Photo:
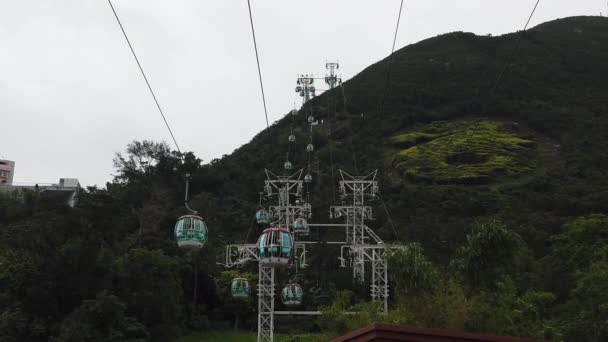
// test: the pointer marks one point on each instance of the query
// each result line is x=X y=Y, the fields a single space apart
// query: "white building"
x=66 y=190
x=7 y=169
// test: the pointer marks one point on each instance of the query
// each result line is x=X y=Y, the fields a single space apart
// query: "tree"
x=99 y=320
x=501 y=310
x=585 y=319
x=238 y=307
x=425 y=296
x=411 y=272
x=149 y=283
x=142 y=157
x=342 y=316
x=489 y=252
x=580 y=243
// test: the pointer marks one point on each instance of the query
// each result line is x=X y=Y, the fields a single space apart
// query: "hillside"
x=502 y=193
x=552 y=95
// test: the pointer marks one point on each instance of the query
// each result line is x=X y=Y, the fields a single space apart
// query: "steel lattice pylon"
x=359 y=250
x=305 y=87
x=361 y=247
x=286 y=189
x=332 y=79
x=379 y=287
x=266 y=291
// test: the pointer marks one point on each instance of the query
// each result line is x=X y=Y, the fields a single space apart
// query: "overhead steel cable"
x=388 y=215
x=144 y=75
x=515 y=49
x=503 y=70
x=383 y=101
x=390 y=61
x=257 y=59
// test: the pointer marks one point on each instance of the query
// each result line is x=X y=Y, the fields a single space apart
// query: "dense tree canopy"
x=499 y=220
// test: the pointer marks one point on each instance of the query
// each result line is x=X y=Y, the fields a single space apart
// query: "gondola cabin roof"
x=275 y=229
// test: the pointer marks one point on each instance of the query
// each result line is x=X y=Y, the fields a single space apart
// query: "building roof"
x=390 y=333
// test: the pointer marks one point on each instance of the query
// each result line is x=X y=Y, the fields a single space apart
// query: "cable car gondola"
x=300 y=226
x=190 y=232
x=262 y=217
x=292 y=295
x=240 y=288
x=275 y=247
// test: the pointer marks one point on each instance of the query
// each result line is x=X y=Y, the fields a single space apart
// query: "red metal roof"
x=391 y=333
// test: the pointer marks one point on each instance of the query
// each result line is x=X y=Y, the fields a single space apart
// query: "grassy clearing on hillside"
x=473 y=151
x=247 y=337
x=410 y=139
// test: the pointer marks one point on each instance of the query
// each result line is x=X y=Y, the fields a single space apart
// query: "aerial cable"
x=260 y=206
x=144 y=75
x=292 y=137
x=343 y=96
x=388 y=215
x=508 y=61
x=257 y=58
x=515 y=49
x=383 y=101
x=390 y=61
x=249 y=230
x=331 y=152
x=192 y=211
x=387 y=79
x=309 y=151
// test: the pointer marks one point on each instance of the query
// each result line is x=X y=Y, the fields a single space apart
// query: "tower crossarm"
x=365 y=212
x=237 y=255
x=266 y=292
x=373 y=235
x=296 y=210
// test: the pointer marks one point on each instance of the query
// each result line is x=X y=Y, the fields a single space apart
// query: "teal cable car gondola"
x=292 y=295
x=190 y=232
x=300 y=226
x=275 y=247
x=263 y=217
x=240 y=288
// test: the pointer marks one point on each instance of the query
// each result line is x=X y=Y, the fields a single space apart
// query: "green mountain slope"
x=553 y=99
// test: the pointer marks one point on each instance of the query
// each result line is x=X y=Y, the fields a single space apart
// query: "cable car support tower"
x=363 y=245
x=331 y=79
x=305 y=87
x=288 y=213
x=287 y=191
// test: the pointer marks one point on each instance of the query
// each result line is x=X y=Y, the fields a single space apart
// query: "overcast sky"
x=71 y=95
